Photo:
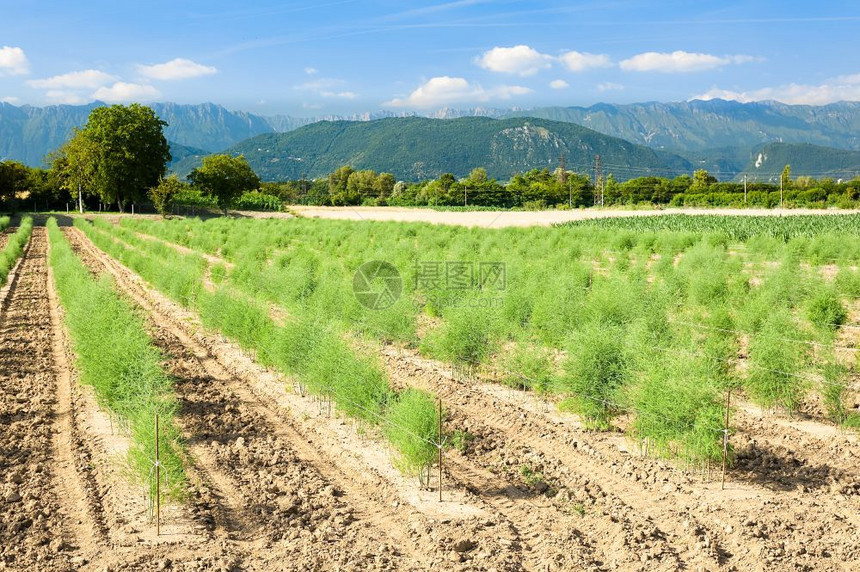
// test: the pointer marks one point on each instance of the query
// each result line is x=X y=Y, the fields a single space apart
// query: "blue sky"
x=346 y=56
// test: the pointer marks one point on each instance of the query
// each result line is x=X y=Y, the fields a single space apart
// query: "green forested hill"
x=416 y=148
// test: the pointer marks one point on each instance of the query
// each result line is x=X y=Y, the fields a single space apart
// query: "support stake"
x=157 y=483
x=726 y=439
x=440 y=449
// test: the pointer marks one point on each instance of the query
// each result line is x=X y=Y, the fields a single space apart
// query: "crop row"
x=116 y=357
x=14 y=247
x=307 y=348
x=809 y=228
x=657 y=324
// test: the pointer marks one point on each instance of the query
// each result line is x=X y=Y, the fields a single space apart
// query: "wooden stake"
x=726 y=440
x=157 y=483
x=440 y=449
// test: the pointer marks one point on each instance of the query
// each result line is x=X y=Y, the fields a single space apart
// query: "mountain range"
x=724 y=137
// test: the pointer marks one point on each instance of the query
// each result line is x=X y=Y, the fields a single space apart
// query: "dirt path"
x=41 y=527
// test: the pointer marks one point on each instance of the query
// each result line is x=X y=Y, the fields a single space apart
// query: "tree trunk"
x=80 y=200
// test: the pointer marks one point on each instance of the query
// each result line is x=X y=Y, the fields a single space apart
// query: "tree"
x=122 y=150
x=164 y=194
x=702 y=180
x=13 y=179
x=224 y=178
x=785 y=178
x=74 y=165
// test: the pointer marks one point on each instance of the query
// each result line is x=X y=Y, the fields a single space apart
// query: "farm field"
x=506 y=218
x=582 y=372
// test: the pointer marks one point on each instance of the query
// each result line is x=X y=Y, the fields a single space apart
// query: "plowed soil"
x=276 y=482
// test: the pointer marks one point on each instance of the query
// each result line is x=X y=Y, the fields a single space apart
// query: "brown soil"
x=40 y=528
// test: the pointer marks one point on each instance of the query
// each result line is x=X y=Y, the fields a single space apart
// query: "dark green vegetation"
x=643 y=329
x=308 y=346
x=224 y=178
x=116 y=357
x=416 y=148
x=545 y=188
x=14 y=246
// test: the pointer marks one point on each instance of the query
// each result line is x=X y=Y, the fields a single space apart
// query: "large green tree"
x=224 y=178
x=13 y=179
x=121 y=152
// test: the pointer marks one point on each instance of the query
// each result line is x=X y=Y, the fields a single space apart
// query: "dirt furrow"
x=40 y=527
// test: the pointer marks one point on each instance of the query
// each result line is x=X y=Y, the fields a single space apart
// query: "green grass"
x=116 y=357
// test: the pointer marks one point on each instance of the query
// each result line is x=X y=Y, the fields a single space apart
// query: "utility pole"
x=465 y=196
x=569 y=193
x=745 y=189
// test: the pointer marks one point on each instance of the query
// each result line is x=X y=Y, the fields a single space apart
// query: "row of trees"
x=541 y=188
x=120 y=157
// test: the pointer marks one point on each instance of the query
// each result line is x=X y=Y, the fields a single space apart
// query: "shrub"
x=411 y=425
x=825 y=310
x=774 y=357
x=596 y=369
x=678 y=411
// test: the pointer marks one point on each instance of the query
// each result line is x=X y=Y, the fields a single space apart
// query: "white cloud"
x=11 y=99
x=584 y=61
x=179 y=68
x=61 y=96
x=444 y=90
x=122 y=92
x=520 y=60
x=680 y=62
x=311 y=71
x=559 y=84
x=323 y=83
x=609 y=86
x=342 y=94
x=88 y=79
x=13 y=61
x=842 y=88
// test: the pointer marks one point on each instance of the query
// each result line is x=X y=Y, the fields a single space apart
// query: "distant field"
x=498 y=219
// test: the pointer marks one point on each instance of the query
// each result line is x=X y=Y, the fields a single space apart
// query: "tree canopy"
x=119 y=154
x=224 y=178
